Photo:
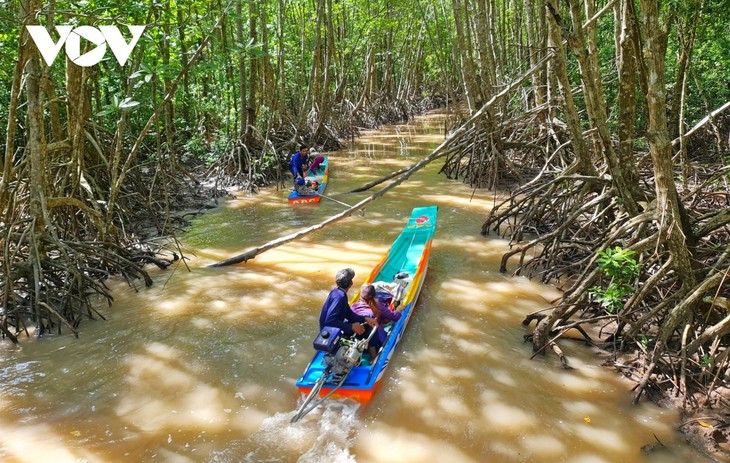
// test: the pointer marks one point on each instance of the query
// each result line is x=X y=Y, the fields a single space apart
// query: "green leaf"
x=107 y=110
x=128 y=103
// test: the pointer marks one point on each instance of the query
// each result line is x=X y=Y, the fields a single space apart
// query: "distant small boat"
x=328 y=374
x=320 y=176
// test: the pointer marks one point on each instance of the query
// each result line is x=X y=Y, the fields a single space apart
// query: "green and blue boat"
x=409 y=256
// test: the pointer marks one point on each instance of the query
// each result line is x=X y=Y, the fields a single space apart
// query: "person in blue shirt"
x=298 y=161
x=336 y=310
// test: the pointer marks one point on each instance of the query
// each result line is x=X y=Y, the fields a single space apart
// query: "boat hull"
x=321 y=177
x=410 y=253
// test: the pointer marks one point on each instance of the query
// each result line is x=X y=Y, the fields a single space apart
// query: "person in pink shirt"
x=376 y=306
x=318 y=160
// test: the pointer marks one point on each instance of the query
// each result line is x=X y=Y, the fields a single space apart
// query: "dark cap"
x=367 y=291
x=344 y=278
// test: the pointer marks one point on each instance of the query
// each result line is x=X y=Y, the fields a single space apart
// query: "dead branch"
x=701 y=123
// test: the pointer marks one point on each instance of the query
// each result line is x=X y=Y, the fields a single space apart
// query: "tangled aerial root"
x=558 y=220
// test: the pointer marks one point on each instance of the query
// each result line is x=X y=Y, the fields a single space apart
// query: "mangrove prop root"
x=563 y=230
x=557 y=221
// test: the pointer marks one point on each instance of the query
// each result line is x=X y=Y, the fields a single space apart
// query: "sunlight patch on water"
x=173 y=306
x=522 y=287
x=459 y=327
x=456 y=200
x=32 y=443
x=646 y=414
x=386 y=444
x=455 y=407
x=503 y=377
x=491 y=297
x=412 y=395
x=604 y=436
x=165 y=390
x=506 y=452
x=219 y=296
x=507 y=417
x=576 y=381
x=467 y=294
x=544 y=444
x=471 y=348
x=202 y=323
x=589 y=458
x=583 y=407
x=450 y=373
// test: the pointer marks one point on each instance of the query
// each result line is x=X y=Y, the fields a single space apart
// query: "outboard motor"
x=346 y=357
x=341 y=354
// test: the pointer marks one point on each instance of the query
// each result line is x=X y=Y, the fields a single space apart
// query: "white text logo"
x=72 y=38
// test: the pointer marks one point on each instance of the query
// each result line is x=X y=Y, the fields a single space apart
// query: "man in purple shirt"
x=336 y=310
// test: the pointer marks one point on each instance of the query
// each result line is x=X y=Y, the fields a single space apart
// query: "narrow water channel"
x=201 y=367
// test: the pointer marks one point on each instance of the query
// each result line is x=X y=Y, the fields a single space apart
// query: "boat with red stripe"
x=320 y=176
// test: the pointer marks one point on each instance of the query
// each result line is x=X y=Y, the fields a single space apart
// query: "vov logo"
x=101 y=37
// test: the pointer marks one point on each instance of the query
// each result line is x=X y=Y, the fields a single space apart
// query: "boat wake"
x=326 y=434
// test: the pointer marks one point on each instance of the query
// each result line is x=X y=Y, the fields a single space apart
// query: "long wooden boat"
x=320 y=176
x=409 y=253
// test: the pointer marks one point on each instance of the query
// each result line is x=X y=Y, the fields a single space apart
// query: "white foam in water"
x=324 y=434
x=334 y=440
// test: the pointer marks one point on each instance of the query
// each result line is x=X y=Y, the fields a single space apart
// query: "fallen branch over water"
x=246 y=256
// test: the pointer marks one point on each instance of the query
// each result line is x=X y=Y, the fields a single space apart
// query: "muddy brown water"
x=201 y=367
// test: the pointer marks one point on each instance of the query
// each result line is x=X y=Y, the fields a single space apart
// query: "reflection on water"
x=201 y=367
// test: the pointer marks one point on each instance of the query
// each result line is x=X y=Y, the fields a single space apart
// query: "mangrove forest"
x=602 y=126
